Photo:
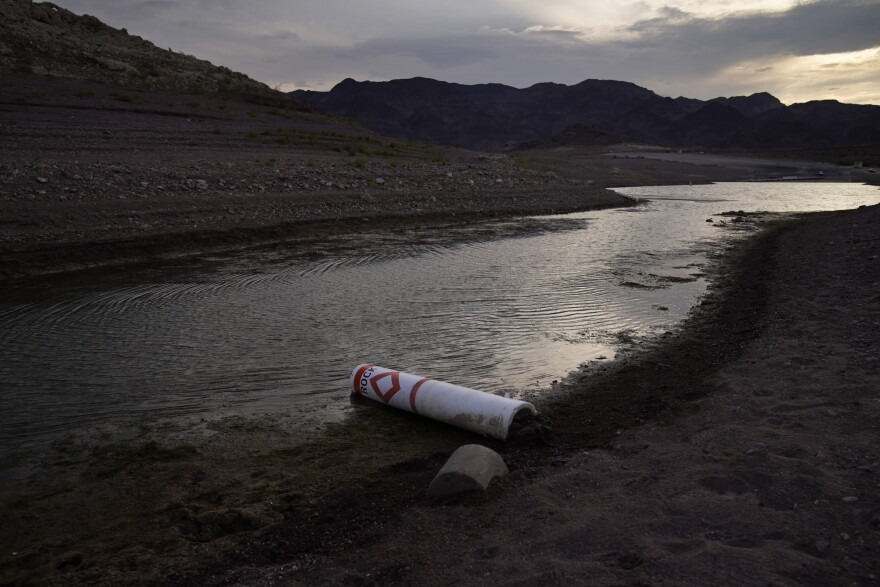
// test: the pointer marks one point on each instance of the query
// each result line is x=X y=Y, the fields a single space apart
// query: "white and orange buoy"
x=470 y=409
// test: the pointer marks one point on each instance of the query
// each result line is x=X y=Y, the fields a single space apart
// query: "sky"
x=796 y=50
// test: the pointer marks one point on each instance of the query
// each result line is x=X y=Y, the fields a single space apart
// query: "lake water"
x=498 y=306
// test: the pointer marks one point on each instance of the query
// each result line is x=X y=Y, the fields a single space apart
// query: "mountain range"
x=496 y=117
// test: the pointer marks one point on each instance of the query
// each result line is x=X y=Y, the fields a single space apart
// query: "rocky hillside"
x=46 y=39
x=496 y=117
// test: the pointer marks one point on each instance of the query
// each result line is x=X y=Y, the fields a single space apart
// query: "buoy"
x=470 y=409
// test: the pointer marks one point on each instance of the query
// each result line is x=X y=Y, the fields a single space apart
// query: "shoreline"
x=89 y=179
x=729 y=446
x=33 y=259
x=201 y=515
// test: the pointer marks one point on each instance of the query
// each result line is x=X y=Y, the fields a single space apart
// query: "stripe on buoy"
x=357 y=378
x=412 y=395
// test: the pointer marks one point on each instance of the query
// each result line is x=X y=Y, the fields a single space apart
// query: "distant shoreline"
x=90 y=180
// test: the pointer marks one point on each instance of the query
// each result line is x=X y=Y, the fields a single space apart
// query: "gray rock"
x=380 y=181
x=42 y=180
x=757 y=448
x=470 y=468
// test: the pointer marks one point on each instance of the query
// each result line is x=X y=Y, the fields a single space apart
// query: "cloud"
x=829 y=26
x=679 y=47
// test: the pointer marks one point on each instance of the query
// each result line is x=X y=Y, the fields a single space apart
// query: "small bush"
x=124 y=98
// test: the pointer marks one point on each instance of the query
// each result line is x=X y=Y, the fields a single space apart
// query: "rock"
x=757 y=448
x=380 y=181
x=42 y=180
x=201 y=184
x=470 y=468
x=850 y=499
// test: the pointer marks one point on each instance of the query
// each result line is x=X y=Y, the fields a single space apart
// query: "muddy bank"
x=93 y=174
x=746 y=443
x=743 y=451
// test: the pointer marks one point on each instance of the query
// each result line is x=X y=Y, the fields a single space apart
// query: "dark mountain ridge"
x=496 y=117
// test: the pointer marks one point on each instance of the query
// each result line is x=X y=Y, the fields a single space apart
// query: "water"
x=495 y=306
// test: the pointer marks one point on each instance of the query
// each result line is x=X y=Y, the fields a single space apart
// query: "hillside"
x=46 y=39
x=496 y=117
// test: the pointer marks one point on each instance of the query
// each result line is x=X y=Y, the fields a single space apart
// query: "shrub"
x=124 y=98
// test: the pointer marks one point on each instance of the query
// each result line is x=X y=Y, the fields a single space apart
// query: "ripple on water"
x=495 y=306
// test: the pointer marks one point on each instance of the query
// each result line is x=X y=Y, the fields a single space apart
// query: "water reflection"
x=494 y=305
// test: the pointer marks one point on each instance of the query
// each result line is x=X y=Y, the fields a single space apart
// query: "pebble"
x=850 y=499
x=757 y=448
x=380 y=181
x=42 y=180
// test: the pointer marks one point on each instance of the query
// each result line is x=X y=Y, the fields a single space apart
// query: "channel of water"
x=499 y=306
